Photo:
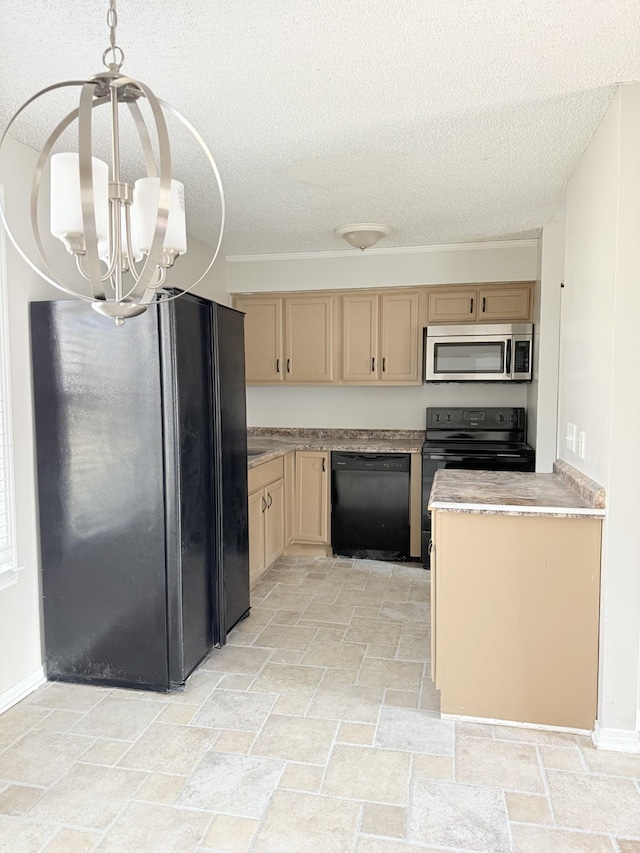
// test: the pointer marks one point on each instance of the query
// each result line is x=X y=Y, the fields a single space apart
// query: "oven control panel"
x=484 y=419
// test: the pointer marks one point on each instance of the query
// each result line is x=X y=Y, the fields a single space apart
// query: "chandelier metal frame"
x=110 y=295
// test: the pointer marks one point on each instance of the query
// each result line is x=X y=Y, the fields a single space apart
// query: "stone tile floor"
x=315 y=729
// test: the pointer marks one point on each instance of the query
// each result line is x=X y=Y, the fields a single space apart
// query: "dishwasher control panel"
x=371 y=461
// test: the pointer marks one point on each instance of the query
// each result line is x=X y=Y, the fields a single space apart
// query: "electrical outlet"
x=570 y=437
x=582 y=444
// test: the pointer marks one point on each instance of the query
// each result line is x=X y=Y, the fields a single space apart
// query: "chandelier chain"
x=114 y=49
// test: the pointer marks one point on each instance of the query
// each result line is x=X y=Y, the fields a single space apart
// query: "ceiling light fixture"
x=101 y=218
x=364 y=235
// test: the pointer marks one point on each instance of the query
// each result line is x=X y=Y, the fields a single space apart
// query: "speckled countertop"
x=515 y=493
x=265 y=444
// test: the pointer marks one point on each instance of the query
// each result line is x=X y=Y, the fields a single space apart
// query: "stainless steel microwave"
x=500 y=353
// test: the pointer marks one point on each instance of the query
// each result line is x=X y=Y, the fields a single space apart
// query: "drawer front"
x=266 y=473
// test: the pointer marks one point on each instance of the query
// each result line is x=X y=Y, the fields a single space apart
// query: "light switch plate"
x=571 y=437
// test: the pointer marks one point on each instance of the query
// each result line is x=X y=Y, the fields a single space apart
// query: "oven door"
x=467 y=358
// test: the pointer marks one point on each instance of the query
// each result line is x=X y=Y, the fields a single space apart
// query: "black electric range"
x=472 y=439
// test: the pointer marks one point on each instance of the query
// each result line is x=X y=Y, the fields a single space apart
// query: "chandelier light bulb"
x=144 y=209
x=66 y=206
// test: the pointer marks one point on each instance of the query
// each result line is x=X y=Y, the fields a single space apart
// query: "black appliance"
x=472 y=439
x=142 y=478
x=370 y=505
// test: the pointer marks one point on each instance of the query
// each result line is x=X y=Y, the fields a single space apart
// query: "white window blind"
x=8 y=558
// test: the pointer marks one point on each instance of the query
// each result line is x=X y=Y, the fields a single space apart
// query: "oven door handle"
x=431 y=456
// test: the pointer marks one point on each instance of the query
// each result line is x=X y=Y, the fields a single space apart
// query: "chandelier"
x=124 y=235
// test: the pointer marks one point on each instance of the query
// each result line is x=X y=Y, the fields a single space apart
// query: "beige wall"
x=542 y=393
x=505 y=261
x=600 y=366
x=359 y=407
x=20 y=635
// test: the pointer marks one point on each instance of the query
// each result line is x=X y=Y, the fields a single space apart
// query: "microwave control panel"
x=522 y=356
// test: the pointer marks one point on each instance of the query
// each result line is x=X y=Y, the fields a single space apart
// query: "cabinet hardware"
x=384 y=364
x=373 y=365
x=264 y=504
x=288 y=365
x=484 y=304
x=323 y=468
x=277 y=365
x=471 y=306
x=270 y=500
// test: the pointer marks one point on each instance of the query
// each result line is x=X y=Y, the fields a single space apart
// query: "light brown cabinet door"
x=309 y=332
x=360 y=338
x=400 y=338
x=504 y=303
x=274 y=522
x=257 y=564
x=262 y=339
x=451 y=306
x=289 y=491
x=312 y=497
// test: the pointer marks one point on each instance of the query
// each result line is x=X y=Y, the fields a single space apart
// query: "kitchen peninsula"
x=515 y=595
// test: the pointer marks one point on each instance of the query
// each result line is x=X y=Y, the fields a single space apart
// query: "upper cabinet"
x=380 y=337
x=500 y=304
x=360 y=337
x=400 y=337
x=308 y=328
x=451 y=305
x=484 y=303
x=288 y=339
x=262 y=339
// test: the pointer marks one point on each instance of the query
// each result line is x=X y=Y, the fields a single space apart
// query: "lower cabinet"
x=311 y=501
x=515 y=616
x=274 y=522
x=266 y=516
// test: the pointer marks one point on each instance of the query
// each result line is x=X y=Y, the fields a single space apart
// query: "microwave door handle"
x=507 y=367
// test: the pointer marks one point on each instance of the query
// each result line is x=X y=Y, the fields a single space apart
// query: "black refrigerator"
x=142 y=480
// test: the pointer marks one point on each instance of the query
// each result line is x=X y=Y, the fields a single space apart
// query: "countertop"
x=563 y=493
x=267 y=444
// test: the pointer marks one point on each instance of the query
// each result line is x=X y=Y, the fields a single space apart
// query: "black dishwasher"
x=370 y=505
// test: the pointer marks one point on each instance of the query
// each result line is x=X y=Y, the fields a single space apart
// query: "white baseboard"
x=617 y=740
x=515 y=724
x=21 y=689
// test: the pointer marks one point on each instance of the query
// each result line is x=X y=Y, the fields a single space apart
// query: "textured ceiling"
x=450 y=120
